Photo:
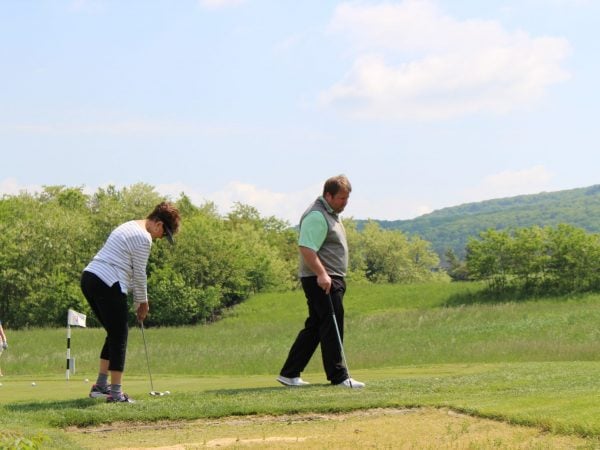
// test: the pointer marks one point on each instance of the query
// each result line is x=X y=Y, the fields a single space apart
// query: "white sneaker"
x=351 y=383
x=296 y=381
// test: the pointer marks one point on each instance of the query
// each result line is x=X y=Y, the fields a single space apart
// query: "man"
x=323 y=265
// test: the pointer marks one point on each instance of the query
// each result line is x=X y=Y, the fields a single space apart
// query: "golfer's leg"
x=117 y=328
x=96 y=293
x=307 y=340
x=302 y=350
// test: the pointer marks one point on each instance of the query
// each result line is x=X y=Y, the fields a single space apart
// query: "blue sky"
x=423 y=104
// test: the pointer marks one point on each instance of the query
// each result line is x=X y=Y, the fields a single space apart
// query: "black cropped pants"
x=109 y=305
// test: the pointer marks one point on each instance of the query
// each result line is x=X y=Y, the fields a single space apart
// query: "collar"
x=327 y=207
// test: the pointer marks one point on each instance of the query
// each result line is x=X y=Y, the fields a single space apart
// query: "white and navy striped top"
x=123 y=258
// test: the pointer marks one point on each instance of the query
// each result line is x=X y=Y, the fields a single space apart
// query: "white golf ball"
x=33 y=383
x=86 y=380
x=167 y=392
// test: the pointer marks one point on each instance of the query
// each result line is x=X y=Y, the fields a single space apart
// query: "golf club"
x=152 y=391
x=339 y=336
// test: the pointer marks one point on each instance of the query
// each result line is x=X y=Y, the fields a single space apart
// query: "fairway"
x=443 y=370
x=387 y=427
x=434 y=406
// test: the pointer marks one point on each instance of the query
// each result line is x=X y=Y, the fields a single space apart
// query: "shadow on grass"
x=55 y=405
x=263 y=390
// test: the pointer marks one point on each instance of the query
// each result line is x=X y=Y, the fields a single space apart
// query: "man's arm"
x=312 y=260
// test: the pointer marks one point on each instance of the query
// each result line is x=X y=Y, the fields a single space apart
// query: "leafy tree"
x=423 y=259
x=356 y=263
x=537 y=260
x=574 y=258
x=392 y=258
x=489 y=258
x=457 y=269
x=47 y=239
x=174 y=302
x=453 y=227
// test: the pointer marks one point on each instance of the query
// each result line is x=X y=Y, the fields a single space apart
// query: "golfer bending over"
x=323 y=265
x=118 y=268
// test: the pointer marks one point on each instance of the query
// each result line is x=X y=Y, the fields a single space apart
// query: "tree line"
x=451 y=228
x=47 y=238
x=534 y=260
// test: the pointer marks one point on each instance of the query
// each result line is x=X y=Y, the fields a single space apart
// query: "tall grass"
x=386 y=326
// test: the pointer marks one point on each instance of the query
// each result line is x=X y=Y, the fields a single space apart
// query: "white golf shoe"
x=296 y=381
x=351 y=383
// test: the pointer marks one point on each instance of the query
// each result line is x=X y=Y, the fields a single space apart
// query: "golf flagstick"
x=339 y=336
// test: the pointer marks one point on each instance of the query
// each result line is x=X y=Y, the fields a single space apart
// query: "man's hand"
x=312 y=260
x=324 y=282
x=142 y=311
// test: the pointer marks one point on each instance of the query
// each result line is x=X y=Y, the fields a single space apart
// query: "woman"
x=118 y=268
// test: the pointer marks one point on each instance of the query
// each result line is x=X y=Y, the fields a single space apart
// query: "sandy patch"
x=420 y=428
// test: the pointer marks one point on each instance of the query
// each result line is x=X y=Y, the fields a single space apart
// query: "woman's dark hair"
x=168 y=214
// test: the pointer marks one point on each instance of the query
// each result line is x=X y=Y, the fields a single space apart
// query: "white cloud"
x=401 y=206
x=283 y=205
x=511 y=183
x=219 y=4
x=287 y=206
x=11 y=186
x=413 y=62
x=424 y=209
x=519 y=180
x=290 y=205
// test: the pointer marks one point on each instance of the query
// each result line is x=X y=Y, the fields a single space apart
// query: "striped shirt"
x=123 y=258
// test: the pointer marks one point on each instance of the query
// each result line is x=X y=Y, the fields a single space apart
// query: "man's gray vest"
x=334 y=251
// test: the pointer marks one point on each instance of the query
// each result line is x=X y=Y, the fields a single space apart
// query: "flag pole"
x=68 y=350
x=76 y=319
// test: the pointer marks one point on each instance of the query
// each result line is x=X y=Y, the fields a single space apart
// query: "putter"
x=339 y=336
x=152 y=391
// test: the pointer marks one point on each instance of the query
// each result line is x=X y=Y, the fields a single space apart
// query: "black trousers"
x=319 y=329
x=109 y=305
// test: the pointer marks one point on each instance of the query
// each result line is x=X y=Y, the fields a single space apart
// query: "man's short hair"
x=335 y=184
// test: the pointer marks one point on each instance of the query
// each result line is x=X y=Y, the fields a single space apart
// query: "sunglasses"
x=168 y=233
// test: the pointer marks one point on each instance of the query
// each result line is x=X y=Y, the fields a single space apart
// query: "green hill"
x=451 y=227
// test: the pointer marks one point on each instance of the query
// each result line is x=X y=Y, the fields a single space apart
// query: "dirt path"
x=376 y=428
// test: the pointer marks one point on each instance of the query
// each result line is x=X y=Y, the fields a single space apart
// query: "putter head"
x=156 y=393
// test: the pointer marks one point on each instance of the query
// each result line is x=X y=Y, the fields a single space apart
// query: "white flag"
x=76 y=319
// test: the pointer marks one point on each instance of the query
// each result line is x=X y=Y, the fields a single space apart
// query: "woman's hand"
x=142 y=311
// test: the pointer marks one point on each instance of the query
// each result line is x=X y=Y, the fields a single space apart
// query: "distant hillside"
x=451 y=227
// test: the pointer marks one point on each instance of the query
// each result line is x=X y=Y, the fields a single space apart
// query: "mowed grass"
x=386 y=326
x=442 y=345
